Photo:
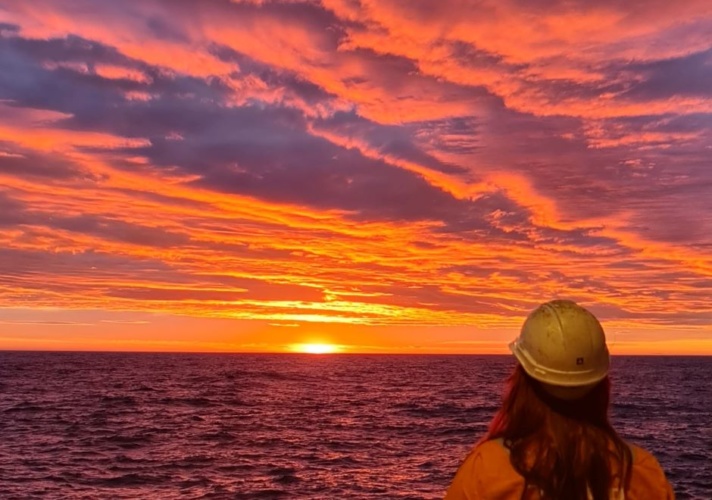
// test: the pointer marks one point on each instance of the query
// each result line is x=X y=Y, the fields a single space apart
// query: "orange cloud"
x=384 y=178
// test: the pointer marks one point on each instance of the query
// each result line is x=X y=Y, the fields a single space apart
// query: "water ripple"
x=86 y=425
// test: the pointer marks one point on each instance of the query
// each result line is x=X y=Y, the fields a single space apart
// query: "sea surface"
x=165 y=426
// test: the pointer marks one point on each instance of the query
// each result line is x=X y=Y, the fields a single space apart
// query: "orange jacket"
x=487 y=474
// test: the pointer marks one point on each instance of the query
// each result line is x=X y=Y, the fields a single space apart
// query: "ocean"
x=239 y=426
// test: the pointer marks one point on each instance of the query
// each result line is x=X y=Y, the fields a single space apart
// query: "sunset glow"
x=402 y=176
x=315 y=348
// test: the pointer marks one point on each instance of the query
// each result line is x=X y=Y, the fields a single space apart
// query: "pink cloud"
x=450 y=164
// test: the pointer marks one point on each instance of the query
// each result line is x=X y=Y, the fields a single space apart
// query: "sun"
x=315 y=348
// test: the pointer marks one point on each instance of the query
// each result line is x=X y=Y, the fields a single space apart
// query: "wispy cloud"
x=357 y=162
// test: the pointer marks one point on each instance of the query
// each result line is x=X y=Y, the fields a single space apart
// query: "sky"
x=379 y=175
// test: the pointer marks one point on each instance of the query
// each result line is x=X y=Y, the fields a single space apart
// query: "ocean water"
x=165 y=426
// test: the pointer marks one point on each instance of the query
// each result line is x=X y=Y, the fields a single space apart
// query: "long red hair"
x=563 y=449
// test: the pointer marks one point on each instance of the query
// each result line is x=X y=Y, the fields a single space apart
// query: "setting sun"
x=315 y=348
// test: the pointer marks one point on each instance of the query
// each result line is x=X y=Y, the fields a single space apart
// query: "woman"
x=552 y=439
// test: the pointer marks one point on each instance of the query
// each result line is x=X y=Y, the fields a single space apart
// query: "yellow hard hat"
x=563 y=345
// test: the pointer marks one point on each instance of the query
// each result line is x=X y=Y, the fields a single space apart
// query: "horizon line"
x=318 y=355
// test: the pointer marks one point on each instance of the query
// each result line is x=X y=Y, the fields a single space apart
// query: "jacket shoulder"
x=486 y=473
x=642 y=457
x=492 y=447
x=648 y=477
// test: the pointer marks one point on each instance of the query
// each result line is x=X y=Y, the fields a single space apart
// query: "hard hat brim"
x=556 y=377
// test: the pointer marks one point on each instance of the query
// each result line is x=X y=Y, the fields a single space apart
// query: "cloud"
x=10 y=210
x=27 y=163
x=686 y=76
x=225 y=145
x=356 y=161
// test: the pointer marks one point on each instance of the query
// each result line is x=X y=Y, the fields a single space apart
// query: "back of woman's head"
x=558 y=434
x=563 y=449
